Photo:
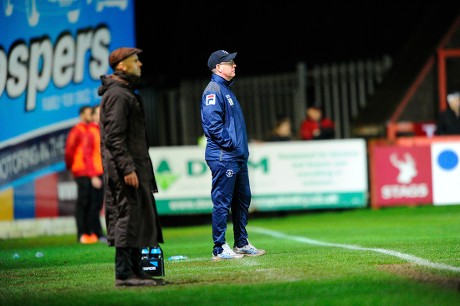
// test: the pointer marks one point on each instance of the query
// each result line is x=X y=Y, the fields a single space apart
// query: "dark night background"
x=177 y=38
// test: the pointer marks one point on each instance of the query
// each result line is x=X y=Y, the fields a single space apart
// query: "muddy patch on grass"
x=408 y=271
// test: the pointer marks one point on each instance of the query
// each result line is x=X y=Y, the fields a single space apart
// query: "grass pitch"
x=394 y=256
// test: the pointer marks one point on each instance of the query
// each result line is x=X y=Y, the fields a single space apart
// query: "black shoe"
x=135 y=281
x=160 y=281
x=143 y=275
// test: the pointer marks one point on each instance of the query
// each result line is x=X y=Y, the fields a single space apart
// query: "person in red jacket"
x=315 y=126
x=93 y=161
x=74 y=157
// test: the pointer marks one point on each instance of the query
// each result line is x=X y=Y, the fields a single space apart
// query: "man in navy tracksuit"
x=227 y=157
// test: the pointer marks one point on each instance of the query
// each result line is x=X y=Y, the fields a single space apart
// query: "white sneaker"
x=249 y=250
x=227 y=253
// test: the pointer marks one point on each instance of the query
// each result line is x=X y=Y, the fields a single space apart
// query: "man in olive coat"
x=129 y=181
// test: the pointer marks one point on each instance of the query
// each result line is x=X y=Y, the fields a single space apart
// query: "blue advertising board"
x=52 y=54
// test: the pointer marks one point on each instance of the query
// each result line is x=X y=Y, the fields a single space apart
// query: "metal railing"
x=173 y=116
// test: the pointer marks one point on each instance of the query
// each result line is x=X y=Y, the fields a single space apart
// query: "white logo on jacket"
x=229 y=173
x=229 y=99
x=211 y=99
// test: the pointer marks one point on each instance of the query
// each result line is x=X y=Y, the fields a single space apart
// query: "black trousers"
x=127 y=262
x=83 y=205
x=97 y=200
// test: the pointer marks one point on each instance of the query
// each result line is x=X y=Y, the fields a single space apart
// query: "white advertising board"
x=283 y=176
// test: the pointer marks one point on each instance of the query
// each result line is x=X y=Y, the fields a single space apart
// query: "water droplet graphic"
x=15 y=255
x=39 y=255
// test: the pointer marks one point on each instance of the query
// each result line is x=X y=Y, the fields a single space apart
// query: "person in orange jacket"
x=74 y=157
x=93 y=161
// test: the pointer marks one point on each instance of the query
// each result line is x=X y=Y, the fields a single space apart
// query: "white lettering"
x=40 y=59
x=84 y=44
x=404 y=191
x=149 y=268
x=100 y=53
x=64 y=55
x=3 y=73
x=31 y=70
x=17 y=81
x=26 y=158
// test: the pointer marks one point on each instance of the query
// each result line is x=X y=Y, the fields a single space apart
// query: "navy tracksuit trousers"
x=230 y=193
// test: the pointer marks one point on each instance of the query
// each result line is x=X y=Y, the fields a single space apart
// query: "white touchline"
x=407 y=257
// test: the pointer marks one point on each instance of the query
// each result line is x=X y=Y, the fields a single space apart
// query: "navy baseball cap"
x=218 y=57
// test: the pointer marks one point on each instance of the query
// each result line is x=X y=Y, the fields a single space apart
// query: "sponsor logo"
x=407 y=171
x=406 y=166
x=211 y=99
x=150 y=268
x=165 y=176
x=448 y=160
x=229 y=99
x=229 y=173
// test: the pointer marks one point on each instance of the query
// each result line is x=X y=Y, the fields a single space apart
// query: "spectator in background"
x=74 y=157
x=449 y=120
x=282 y=130
x=316 y=127
x=93 y=162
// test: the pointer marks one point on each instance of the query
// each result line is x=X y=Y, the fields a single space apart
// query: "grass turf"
x=293 y=272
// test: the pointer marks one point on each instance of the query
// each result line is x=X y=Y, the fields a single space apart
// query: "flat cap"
x=120 y=54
